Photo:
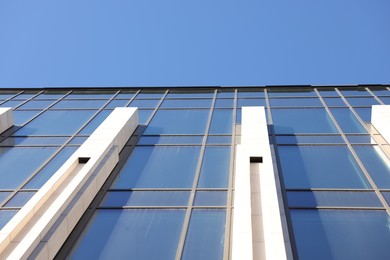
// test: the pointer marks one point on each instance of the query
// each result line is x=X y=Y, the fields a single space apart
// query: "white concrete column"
x=257 y=224
x=6 y=118
x=380 y=119
x=40 y=228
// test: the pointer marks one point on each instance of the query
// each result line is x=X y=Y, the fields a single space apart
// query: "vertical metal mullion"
x=228 y=225
x=183 y=235
x=352 y=150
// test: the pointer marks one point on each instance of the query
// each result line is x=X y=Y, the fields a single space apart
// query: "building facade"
x=295 y=172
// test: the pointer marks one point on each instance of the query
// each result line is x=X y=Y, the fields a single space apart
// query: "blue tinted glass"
x=360 y=139
x=43 y=175
x=224 y=103
x=18 y=163
x=289 y=93
x=37 y=104
x=170 y=140
x=347 y=120
x=190 y=94
x=178 y=122
x=385 y=100
x=117 y=103
x=250 y=93
x=136 y=234
x=51 y=95
x=341 y=234
x=313 y=199
x=225 y=94
x=205 y=236
x=12 y=103
x=95 y=122
x=7 y=94
x=335 y=102
x=219 y=140
x=309 y=139
x=364 y=113
x=210 y=198
x=34 y=141
x=78 y=140
x=25 y=95
x=186 y=103
x=221 y=122
x=82 y=103
x=381 y=92
x=87 y=94
x=21 y=117
x=356 y=92
x=126 y=94
x=146 y=198
x=144 y=103
x=289 y=121
x=238 y=116
x=56 y=123
x=159 y=167
x=251 y=102
x=215 y=175
x=320 y=167
x=19 y=199
x=155 y=94
x=329 y=93
x=295 y=102
x=4 y=195
x=5 y=216
x=143 y=116
x=386 y=194
x=364 y=101
x=376 y=163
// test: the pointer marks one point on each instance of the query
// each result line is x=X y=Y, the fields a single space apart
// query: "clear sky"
x=46 y=43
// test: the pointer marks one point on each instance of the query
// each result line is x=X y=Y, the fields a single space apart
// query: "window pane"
x=206 y=234
x=219 y=140
x=57 y=123
x=355 y=92
x=335 y=102
x=332 y=199
x=18 y=163
x=90 y=94
x=150 y=94
x=95 y=122
x=139 y=234
x=33 y=141
x=37 y=104
x=376 y=163
x=117 y=103
x=150 y=140
x=364 y=114
x=159 y=167
x=302 y=121
x=146 y=198
x=190 y=94
x=82 y=103
x=291 y=93
x=210 y=198
x=295 y=102
x=21 y=117
x=143 y=116
x=309 y=139
x=224 y=103
x=144 y=103
x=341 y=234
x=215 y=175
x=320 y=167
x=178 y=122
x=360 y=139
x=251 y=102
x=385 y=100
x=365 y=101
x=186 y=103
x=4 y=195
x=20 y=199
x=250 y=93
x=221 y=122
x=5 y=216
x=347 y=121
x=381 y=92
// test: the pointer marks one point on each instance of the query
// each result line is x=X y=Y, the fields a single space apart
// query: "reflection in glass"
x=210 y=198
x=212 y=174
x=295 y=102
x=19 y=199
x=5 y=216
x=186 y=103
x=150 y=140
x=347 y=120
x=221 y=122
x=82 y=103
x=309 y=139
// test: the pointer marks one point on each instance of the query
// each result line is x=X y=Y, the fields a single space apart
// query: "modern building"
x=279 y=172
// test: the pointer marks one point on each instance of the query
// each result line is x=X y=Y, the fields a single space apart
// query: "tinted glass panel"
x=219 y=140
x=222 y=103
x=295 y=102
x=87 y=94
x=86 y=103
x=347 y=121
x=171 y=140
x=117 y=103
x=144 y=115
x=186 y=103
x=251 y=102
x=190 y=94
x=366 y=101
x=221 y=122
x=20 y=199
x=95 y=122
x=215 y=175
x=250 y=93
x=159 y=167
x=37 y=104
x=289 y=93
x=341 y=234
x=364 y=114
x=205 y=237
x=385 y=100
x=21 y=117
x=302 y=121
x=178 y=122
x=332 y=199
x=33 y=141
x=360 y=139
x=5 y=216
x=4 y=195
x=351 y=92
x=139 y=234
x=320 y=167
x=146 y=198
x=144 y=103
x=335 y=102
x=210 y=198
x=309 y=139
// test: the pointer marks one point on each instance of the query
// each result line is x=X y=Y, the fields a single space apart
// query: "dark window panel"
x=354 y=92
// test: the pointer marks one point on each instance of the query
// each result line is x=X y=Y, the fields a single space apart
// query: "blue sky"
x=46 y=43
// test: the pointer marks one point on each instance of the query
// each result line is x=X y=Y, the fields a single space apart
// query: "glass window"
x=50 y=95
x=56 y=123
x=117 y=103
x=146 y=198
x=354 y=92
x=95 y=122
x=320 y=167
x=221 y=122
x=186 y=103
x=224 y=103
x=144 y=103
x=37 y=104
x=34 y=141
x=12 y=103
x=289 y=121
x=151 y=140
x=150 y=94
x=210 y=198
x=385 y=100
x=313 y=199
x=341 y=234
x=295 y=102
x=215 y=175
x=242 y=93
x=136 y=233
x=225 y=94
x=291 y=93
x=329 y=93
x=309 y=139
x=159 y=167
x=347 y=121
x=381 y=92
x=178 y=122
x=126 y=94
x=43 y=175
x=376 y=164
x=21 y=117
x=335 y=102
x=219 y=140
x=190 y=94
x=78 y=140
x=5 y=216
x=7 y=94
x=18 y=163
x=205 y=236
x=364 y=113
x=360 y=139
x=4 y=195
x=251 y=102
x=363 y=101
x=19 y=199
x=143 y=116
x=91 y=94
x=81 y=103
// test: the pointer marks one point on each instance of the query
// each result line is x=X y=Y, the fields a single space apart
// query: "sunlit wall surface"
x=171 y=194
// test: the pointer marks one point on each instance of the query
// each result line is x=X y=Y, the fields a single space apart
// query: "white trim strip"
x=380 y=118
x=6 y=118
x=50 y=215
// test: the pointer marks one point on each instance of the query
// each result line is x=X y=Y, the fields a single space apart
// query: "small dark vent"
x=256 y=159
x=83 y=160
